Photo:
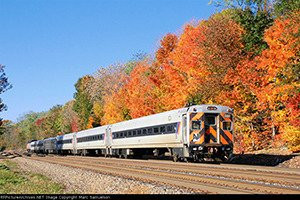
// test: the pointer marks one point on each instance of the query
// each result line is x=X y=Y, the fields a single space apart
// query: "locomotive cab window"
x=227 y=126
x=196 y=125
x=210 y=120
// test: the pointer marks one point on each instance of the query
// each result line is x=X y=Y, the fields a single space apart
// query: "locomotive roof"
x=194 y=108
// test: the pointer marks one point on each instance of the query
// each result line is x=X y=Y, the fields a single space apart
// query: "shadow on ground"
x=260 y=159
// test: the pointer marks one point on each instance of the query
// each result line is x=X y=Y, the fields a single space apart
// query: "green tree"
x=255 y=16
x=4 y=86
x=254 y=24
x=83 y=105
x=284 y=7
x=52 y=122
x=26 y=129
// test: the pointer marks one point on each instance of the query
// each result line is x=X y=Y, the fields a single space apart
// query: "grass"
x=15 y=181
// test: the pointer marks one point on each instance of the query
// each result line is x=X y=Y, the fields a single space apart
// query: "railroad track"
x=197 y=177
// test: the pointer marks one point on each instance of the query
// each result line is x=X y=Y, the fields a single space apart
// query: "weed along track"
x=195 y=177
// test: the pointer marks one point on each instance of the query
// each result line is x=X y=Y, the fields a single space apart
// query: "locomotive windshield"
x=210 y=120
x=227 y=126
x=196 y=125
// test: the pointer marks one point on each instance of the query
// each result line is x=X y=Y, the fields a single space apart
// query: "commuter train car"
x=154 y=134
x=50 y=145
x=65 y=144
x=195 y=132
x=91 y=141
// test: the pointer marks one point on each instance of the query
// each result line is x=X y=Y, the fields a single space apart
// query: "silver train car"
x=191 y=133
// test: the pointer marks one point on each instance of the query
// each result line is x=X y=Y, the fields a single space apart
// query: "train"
x=196 y=132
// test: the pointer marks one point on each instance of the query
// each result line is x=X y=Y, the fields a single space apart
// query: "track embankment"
x=196 y=177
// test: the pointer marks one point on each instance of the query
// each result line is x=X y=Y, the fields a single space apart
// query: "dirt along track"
x=202 y=178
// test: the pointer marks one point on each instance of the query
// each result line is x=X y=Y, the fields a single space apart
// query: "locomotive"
x=192 y=133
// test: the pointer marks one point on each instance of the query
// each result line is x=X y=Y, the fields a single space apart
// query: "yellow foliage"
x=292 y=136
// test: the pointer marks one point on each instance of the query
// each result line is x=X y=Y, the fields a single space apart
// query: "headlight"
x=227 y=115
x=200 y=148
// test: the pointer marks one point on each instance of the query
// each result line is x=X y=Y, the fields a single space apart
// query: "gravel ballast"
x=292 y=163
x=80 y=181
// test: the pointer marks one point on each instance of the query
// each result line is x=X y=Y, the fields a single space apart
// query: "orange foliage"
x=141 y=98
x=90 y=123
x=206 y=64
x=265 y=89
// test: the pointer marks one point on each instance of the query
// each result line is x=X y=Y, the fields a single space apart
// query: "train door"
x=211 y=122
x=184 y=130
x=108 y=141
x=74 y=143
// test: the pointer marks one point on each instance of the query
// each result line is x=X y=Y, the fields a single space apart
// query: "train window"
x=129 y=133
x=210 y=120
x=162 y=129
x=169 y=128
x=144 y=131
x=134 y=133
x=139 y=132
x=121 y=134
x=149 y=130
x=156 y=130
x=196 y=125
x=227 y=126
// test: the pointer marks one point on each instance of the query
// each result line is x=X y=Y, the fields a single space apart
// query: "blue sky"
x=46 y=45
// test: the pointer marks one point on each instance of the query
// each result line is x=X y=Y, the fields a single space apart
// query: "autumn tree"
x=70 y=120
x=264 y=86
x=50 y=124
x=112 y=80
